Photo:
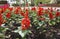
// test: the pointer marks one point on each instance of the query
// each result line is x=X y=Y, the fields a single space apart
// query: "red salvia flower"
x=4 y=9
x=26 y=14
x=57 y=14
x=16 y=11
x=22 y=13
x=10 y=8
x=40 y=11
x=33 y=8
x=51 y=16
x=8 y=15
x=1 y=19
x=25 y=23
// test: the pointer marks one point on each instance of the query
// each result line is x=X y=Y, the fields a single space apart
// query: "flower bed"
x=35 y=23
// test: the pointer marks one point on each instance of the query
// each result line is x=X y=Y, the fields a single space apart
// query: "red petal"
x=51 y=16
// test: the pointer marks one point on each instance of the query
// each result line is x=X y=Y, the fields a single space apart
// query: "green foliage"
x=43 y=1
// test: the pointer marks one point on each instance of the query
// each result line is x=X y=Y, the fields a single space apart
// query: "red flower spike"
x=51 y=16
x=39 y=13
x=11 y=9
x=26 y=14
x=57 y=14
x=1 y=16
x=33 y=8
x=25 y=23
x=8 y=15
x=4 y=9
x=16 y=11
x=1 y=19
x=22 y=13
x=40 y=9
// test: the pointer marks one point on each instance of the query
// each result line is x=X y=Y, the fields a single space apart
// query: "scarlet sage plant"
x=32 y=21
x=29 y=16
x=25 y=21
x=8 y=15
